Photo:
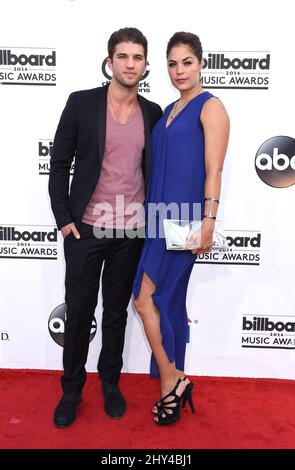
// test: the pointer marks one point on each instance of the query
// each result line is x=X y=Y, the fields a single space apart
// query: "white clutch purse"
x=178 y=233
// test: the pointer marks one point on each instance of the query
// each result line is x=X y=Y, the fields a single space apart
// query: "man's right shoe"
x=65 y=412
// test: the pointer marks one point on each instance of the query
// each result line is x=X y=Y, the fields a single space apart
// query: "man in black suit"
x=108 y=130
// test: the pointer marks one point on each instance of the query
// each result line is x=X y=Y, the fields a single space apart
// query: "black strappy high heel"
x=166 y=417
x=159 y=403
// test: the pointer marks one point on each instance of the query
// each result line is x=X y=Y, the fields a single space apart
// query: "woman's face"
x=183 y=67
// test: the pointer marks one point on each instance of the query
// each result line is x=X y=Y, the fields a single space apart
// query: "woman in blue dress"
x=188 y=149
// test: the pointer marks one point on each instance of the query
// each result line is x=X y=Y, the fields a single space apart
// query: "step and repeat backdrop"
x=240 y=301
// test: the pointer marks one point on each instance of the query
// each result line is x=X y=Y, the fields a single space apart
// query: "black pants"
x=84 y=259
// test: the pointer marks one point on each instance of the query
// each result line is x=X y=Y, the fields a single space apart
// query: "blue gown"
x=177 y=175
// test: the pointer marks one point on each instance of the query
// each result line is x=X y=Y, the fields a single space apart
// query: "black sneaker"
x=65 y=412
x=114 y=402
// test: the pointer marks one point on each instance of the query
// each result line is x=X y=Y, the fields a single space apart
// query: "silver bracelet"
x=211 y=199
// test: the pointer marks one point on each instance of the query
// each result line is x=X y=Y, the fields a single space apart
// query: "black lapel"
x=101 y=119
x=146 y=121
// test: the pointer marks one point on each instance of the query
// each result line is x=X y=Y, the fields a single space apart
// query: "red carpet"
x=231 y=413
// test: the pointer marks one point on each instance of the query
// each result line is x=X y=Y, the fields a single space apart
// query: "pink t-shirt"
x=117 y=201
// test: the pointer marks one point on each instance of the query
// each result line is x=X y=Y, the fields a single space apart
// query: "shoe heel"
x=187 y=397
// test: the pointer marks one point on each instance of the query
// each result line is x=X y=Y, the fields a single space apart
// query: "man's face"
x=128 y=63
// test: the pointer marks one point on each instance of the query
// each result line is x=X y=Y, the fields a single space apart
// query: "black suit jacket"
x=82 y=131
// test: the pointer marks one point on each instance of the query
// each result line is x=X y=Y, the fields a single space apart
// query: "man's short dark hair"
x=127 y=35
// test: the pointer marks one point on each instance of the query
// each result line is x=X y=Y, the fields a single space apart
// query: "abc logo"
x=109 y=77
x=56 y=325
x=275 y=162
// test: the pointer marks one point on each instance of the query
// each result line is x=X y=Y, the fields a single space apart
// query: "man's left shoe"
x=114 y=402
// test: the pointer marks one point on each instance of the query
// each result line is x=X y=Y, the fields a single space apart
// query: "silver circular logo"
x=275 y=161
x=56 y=325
